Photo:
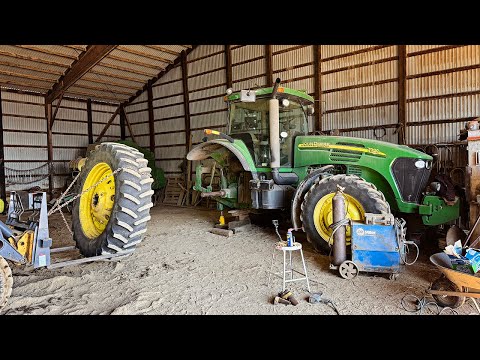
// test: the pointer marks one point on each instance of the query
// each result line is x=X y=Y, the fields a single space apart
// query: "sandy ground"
x=181 y=268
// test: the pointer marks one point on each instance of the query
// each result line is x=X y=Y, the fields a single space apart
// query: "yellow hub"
x=323 y=214
x=96 y=205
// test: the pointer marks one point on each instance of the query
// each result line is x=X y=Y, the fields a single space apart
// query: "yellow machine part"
x=25 y=244
x=323 y=214
x=2 y=206
x=97 y=204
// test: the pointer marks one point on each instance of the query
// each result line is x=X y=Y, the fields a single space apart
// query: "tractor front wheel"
x=317 y=212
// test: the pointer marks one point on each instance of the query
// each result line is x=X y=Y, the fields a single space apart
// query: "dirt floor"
x=181 y=268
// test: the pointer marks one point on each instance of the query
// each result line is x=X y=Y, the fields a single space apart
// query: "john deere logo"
x=320 y=145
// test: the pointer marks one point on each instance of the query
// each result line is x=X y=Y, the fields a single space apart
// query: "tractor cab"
x=248 y=120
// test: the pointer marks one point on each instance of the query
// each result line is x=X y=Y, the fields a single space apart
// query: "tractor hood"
x=374 y=149
x=211 y=148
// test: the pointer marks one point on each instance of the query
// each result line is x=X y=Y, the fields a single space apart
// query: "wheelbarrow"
x=453 y=286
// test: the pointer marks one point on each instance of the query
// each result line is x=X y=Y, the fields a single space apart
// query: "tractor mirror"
x=310 y=110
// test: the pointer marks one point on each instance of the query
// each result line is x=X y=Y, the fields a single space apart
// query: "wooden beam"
x=317 y=71
x=186 y=102
x=48 y=116
x=188 y=133
x=24 y=84
x=133 y=62
x=89 y=121
x=151 y=124
x=125 y=69
x=3 y=188
x=159 y=75
x=27 y=76
x=161 y=48
x=101 y=89
x=115 y=75
x=87 y=60
x=88 y=95
x=269 y=65
x=102 y=81
x=107 y=125
x=148 y=56
x=47 y=51
x=402 y=92
x=128 y=125
x=32 y=58
x=56 y=109
x=228 y=62
x=122 y=124
x=32 y=68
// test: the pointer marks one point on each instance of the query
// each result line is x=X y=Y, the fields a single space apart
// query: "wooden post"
x=89 y=121
x=402 y=93
x=269 y=64
x=151 y=123
x=3 y=188
x=317 y=61
x=228 y=63
x=128 y=123
x=186 y=107
x=48 y=116
x=122 y=124
x=107 y=125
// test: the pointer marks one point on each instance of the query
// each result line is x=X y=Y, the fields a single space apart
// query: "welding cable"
x=375 y=132
x=453 y=311
x=407 y=249
x=420 y=304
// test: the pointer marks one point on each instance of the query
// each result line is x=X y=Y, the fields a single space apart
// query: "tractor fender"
x=204 y=150
x=300 y=192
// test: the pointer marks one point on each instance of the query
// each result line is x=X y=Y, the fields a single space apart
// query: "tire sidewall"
x=89 y=247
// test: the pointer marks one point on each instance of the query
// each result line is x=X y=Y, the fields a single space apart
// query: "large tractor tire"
x=6 y=282
x=317 y=213
x=112 y=216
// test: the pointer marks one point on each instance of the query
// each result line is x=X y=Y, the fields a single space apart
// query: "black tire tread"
x=129 y=206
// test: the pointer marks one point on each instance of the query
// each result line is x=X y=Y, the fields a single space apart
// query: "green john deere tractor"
x=268 y=161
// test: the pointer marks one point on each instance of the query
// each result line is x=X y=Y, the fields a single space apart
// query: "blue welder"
x=377 y=245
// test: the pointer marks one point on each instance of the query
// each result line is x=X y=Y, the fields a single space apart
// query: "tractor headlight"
x=420 y=164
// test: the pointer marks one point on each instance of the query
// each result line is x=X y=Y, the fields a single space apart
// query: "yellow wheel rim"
x=96 y=205
x=323 y=214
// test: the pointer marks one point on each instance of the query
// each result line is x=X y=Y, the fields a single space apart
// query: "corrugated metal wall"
x=443 y=92
x=25 y=137
x=359 y=91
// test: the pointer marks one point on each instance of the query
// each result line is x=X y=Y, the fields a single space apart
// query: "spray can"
x=289 y=237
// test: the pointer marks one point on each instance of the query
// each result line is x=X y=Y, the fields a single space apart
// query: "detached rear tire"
x=362 y=197
x=112 y=217
x=6 y=282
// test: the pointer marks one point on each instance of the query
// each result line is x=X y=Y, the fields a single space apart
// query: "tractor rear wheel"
x=6 y=282
x=112 y=216
x=317 y=213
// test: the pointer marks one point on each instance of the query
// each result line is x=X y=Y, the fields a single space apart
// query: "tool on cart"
x=110 y=211
x=376 y=245
x=451 y=288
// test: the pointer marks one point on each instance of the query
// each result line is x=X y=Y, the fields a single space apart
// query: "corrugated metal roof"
x=117 y=77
